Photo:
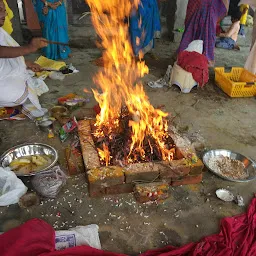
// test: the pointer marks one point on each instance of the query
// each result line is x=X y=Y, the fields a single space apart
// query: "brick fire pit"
x=149 y=181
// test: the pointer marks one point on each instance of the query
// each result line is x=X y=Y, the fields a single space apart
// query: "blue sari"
x=150 y=28
x=55 y=28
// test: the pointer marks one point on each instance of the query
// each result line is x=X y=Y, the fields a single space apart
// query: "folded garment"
x=48 y=64
x=195 y=63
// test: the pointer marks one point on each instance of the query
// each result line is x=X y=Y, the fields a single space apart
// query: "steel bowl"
x=250 y=165
x=29 y=150
x=45 y=125
x=58 y=111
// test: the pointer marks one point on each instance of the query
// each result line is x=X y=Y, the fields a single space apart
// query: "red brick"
x=74 y=161
x=184 y=149
x=90 y=154
x=167 y=180
x=141 y=172
x=197 y=168
x=96 y=191
x=120 y=189
x=174 y=169
x=187 y=180
x=106 y=176
x=155 y=191
x=179 y=153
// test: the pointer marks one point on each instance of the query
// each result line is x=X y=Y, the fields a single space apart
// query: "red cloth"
x=32 y=238
x=37 y=238
x=237 y=238
x=195 y=63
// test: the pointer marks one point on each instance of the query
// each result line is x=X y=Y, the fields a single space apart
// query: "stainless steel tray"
x=250 y=165
x=28 y=150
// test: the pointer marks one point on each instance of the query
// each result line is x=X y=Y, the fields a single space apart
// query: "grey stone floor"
x=205 y=115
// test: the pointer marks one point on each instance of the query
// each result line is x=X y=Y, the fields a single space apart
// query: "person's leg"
x=254 y=30
x=217 y=41
x=222 y=43
x=225 y=43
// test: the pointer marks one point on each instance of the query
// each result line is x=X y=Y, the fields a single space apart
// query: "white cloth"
x=78 y=236
x=17 y=87
x=37 y=84
x=196 y=46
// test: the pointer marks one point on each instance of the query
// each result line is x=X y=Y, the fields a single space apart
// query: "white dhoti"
x=16 y=84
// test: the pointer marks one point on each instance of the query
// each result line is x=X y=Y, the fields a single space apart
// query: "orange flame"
x=104 y=154
x=118 y=82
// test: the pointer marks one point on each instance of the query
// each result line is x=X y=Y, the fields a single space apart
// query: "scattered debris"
x=72 y=101
x=66 y=129
x=239 y=200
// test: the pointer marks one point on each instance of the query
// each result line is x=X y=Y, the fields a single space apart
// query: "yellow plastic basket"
x=237 y=83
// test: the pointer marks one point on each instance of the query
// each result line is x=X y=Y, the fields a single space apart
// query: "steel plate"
x=250 y=165
x=29 y=150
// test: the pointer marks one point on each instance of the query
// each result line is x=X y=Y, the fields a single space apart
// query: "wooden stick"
x=60 y=43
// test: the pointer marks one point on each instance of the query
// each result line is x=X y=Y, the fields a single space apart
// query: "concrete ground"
x=205 y=115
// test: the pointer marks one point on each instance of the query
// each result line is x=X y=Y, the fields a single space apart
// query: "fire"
x=104 y=154
x=119 y=85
